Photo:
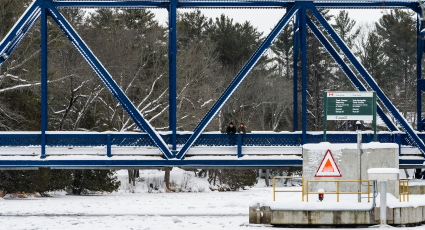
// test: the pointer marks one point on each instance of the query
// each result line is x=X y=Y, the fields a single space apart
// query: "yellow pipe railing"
x=337 y=188
x=404 y=191
x=302 y=186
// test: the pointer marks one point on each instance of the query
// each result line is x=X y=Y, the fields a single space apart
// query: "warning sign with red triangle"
x=328 y=167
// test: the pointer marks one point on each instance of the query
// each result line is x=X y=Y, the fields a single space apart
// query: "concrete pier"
x=401 y=216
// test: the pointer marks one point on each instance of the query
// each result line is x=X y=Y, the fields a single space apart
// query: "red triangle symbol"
x=328 y=167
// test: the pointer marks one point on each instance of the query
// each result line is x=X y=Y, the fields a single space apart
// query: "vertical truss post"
x=420 y=50
x=43 y=80
x=304 y=69
x=172 y=56
x=296 y=53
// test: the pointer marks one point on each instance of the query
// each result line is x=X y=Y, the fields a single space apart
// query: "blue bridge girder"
x=172 y=147
x=136 y=150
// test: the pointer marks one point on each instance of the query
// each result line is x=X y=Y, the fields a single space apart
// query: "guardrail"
x=337 y=188
x=405 y=192
x=134 y=139
x=207 y=139
x=291 y=177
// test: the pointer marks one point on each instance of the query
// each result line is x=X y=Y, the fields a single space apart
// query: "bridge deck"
x=19 y=150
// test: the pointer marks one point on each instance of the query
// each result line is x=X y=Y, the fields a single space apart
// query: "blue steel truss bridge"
x=152 y=149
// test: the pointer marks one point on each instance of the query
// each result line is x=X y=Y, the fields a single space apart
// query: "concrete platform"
x=288 y=210
x=401 y=216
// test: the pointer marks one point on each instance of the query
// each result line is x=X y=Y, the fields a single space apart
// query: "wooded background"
x=133 y=47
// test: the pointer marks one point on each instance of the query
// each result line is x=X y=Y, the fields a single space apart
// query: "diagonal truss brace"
x=348 y=72
x=369 y=80
x=107 y=79
x=18 y=32
x=239 y=78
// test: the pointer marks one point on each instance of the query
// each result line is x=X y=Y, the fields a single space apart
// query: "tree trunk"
x=167 y=177
x=267 y=178
x=129 y=176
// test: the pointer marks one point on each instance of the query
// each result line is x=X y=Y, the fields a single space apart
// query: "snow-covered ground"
x=136 y=208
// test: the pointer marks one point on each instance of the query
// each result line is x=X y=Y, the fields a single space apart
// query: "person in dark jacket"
x=242 y=129
x=231 y=129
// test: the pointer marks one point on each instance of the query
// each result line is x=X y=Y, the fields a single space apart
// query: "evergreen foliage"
x=89 y=181
x=233 y=179
x=31 y=181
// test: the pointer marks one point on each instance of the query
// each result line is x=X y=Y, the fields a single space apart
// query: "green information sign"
x=349 y=106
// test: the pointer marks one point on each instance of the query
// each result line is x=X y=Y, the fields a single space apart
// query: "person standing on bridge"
x=231 y=130
x=242 y=129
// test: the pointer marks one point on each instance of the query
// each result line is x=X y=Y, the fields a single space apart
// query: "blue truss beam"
x=44 y=113
x=348 y=72
x=108 y=163
x=419 y=55
x=150 y=163
x=411 y=163
x=369 y=80
x=20 y=29
x=303 y=43
x=296 y=52
x=238 y=79
x=107 y=80
x=172 y=73
x=233 y=4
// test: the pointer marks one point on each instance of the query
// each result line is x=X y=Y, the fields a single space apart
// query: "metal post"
x=304 y=69
x=43 y=81
x=399 y=143
x=383 y=208
x=374 y=117
x=172 y=56
x=359 y=150
x=337 y=191
x=239 y=145
x=325 y=112
x=295 y=57
x=108 y=145
x=419 y=72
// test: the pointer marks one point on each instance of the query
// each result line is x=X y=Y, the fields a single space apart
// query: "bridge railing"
x=116 y=139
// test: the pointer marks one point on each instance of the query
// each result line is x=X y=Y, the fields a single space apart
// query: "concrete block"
x=266 y=217
x=390 y=213
x=289 y=217
x=416 y=190
x=347 y=157
x=423 y=213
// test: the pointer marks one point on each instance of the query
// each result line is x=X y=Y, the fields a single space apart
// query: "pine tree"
x=398 y=32
x=89 y=181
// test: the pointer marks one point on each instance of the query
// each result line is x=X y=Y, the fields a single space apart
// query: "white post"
x=359 y=143
x=383 y=208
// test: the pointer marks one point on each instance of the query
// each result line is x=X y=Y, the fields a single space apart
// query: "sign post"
x=349 y=106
